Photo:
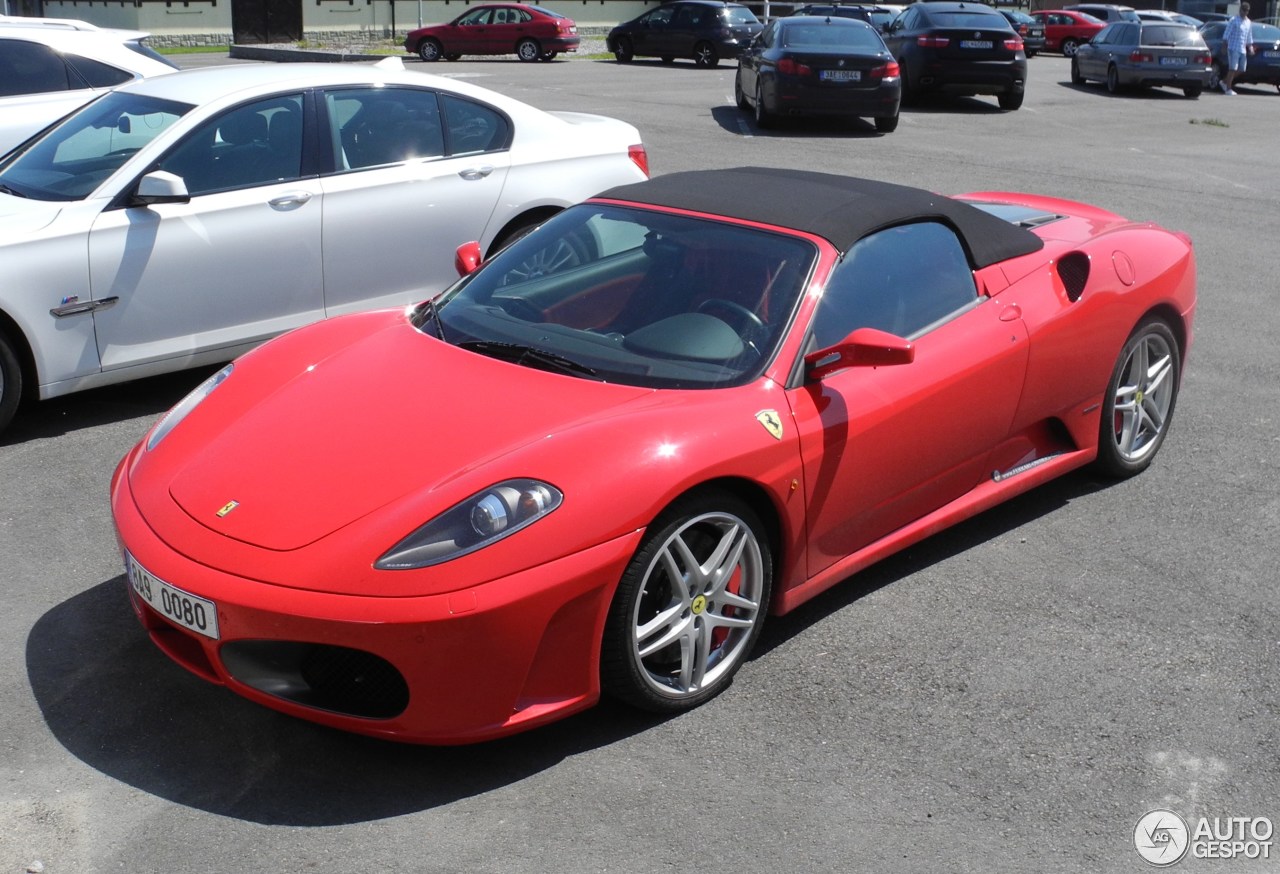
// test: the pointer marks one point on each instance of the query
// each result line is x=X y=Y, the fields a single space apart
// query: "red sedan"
x=601 y=460
x=1065 y=30
x=531 y=33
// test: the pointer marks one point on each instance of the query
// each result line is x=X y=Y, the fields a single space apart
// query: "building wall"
x=208 y=22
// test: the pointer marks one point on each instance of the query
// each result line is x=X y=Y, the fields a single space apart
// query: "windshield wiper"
x=518 y=353
x=5 y=189
x=428 y=310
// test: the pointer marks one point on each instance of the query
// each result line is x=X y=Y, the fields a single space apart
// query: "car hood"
x=393 y=413
x=20 y=216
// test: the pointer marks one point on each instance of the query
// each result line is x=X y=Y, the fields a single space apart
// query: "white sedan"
x=181 y=220
x=49 y=67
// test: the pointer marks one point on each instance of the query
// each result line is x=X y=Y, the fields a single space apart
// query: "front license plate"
x=1271 y=54
x=1174 y=62
x=197 y=614
x=975 y=43
x=841 y=75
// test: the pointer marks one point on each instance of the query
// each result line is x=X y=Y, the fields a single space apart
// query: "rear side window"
x=901 y=280
x=32 y=68
x=474 y=128
x=98 y=74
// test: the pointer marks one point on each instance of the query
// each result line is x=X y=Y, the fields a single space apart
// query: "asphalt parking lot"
x=1011 y=695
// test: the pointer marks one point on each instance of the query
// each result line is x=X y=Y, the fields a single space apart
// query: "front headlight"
x=186 y=405
x=477 y=522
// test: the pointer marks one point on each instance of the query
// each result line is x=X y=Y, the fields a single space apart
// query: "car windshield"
x=72 y=159
x=1089 y=19
x=1020 y=17
x=632 y=296
x=831 y=36
x=1170 y=35
x=1265 y=32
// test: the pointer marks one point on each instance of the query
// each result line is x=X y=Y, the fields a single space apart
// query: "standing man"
x=1239 y=37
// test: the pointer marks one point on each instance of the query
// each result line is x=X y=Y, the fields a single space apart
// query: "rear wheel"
x=1113 y=79
x=528 y=50
x=763 y=117
x=1011 y=100
x=689 y=606
x=1069 y=47
x=623 y=51
x=430 y=50
x=10 y=381
x=738 y=96
x=1215 y=75
x=705 y=55
x=887 y=124
x=1140 y=400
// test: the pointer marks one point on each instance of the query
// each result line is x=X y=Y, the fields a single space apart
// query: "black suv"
x=704 y=30
x=958 y=48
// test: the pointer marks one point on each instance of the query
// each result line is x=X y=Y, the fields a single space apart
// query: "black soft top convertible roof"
x=841 y=209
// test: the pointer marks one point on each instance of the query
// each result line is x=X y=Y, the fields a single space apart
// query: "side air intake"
x=1073 y=270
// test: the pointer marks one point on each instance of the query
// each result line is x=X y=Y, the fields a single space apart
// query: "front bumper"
x=459 y=667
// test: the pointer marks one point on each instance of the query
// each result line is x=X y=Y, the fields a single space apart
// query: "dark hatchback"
x=704 y=30
x=958 y=48
x=1264 y=64
x=1030 y=29
x=819 y=66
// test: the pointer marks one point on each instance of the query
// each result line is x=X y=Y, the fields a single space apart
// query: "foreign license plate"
x=1174 y=62
x=841 y=75
x=975 y=43
x=1271 y=54
x=185 y=609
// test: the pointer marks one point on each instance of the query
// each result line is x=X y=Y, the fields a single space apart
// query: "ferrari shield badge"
x=227 y=508
x=771 y=421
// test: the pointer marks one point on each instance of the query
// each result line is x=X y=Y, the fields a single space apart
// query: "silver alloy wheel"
x=555 y=257
x=1069 y=47
x=430 y=50
x=528 y=50
x=702 y=596
x=1144 y=397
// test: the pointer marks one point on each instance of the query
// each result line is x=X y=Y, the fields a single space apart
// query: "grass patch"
x=191 y=50
x=1211 y=122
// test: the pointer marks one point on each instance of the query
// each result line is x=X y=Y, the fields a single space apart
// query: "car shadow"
x=1153 y=92
x=739 y=122
x=952 y=104
x=121 y=707
x=37 y=420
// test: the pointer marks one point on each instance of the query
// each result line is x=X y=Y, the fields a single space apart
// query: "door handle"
x=290 y=200
x=473 y=173
x=1011 y=313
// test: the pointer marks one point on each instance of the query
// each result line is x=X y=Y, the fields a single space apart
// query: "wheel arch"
x=1169 y=314
x=26 y=357
x=533 y=216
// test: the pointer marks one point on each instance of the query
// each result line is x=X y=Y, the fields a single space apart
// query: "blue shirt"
x=1239 y=35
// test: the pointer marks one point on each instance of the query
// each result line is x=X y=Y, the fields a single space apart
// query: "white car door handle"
x=476 y=172
x=290 y=200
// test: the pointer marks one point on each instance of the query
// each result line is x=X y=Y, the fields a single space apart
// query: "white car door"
x=419 y=174
x=236 y=265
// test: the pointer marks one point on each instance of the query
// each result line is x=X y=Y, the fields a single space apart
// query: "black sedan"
x=819 y=66
x=958 y=48
x=1264 y=64
x=1030 y=29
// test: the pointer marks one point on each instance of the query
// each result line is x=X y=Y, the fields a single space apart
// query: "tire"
x=764 y=119
x=887 y=124
x=430 y=50
x=738 y=96
x=623 y=51
x=1215 y=76
x=1069 y=47
x=1113 y=79
x=1192 y=92
x=1140 y=400
x=528 y=50
x=668 y=59
x=689 y=606
x=1030 y=55
x=10 y=381
x=571 y=251
x=452 y=56
x=705 y=55
x=1076 y=78
x=547 y=56
x=1011 y=100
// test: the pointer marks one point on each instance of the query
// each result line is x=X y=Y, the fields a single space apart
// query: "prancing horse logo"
x=771 y=422
x=227 y=508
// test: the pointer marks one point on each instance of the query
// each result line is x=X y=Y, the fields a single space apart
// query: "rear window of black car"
x=829 y=36
x=968 y=19
x=740 y=15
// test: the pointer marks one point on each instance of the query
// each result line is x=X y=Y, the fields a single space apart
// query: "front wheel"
x=622 y=51
x=705 y=55
x=1140 y=400
x=547 y=56
x=738 y=96
x=1011 y=100
x=10 y=381
x=887 y=124
x=430 y=50
x=1215 y=76
x=689 y=606
x=1069 y=47
x=528 y=50
x=1076 y=78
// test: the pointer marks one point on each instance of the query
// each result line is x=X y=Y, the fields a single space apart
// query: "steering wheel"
x=741 y=319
